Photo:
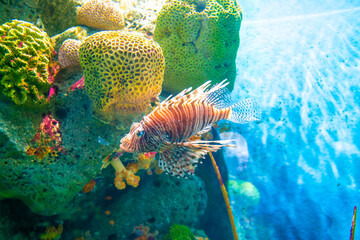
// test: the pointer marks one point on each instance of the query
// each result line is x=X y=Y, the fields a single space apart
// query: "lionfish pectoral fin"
x=181 y=159
x=205 y=130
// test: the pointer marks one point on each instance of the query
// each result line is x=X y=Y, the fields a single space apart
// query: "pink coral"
x=101 y=14
x=80 y=84
x=47 y=139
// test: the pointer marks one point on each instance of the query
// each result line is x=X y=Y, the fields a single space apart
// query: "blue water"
x=300 y=61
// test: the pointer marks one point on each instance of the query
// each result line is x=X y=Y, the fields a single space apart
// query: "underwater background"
x=300 y=61
x=293 y=175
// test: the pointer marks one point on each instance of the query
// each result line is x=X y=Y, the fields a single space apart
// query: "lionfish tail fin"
x=245 y=111
x=180 y=159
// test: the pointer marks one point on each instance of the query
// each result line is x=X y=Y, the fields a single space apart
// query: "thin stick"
x=225 y=195
x=353 y=224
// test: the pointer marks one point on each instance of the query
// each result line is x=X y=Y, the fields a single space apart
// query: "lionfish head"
x=133 y=141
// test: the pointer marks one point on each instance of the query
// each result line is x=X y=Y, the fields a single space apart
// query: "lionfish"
x=167 y=129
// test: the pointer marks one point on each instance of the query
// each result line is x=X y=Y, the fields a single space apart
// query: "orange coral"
x=130 y=178
x=123 y=174
x=69 y=54
x=101 y=14
x=127 y=174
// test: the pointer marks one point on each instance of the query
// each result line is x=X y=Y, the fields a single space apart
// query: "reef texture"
x=159 y=202
x=123 y=72
x=69 y=54
x=26 y=67
x=101 y=14
x=58 y=15
x=20 y=9
x=200 y=40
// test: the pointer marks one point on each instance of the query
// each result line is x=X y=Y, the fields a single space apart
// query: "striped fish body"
x=168 y=127
x=183 y=120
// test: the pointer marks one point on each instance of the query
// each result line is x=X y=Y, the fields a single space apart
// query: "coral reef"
x=26 y=67
x=123 y=73
x=58 y=15
x=199 y=40
x=77 y=33
x=48 y=185
x=69 y=54
x=101 y=14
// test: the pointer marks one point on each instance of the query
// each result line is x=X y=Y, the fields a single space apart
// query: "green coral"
x=25 y=58
x=199 y=39
x=179 y=232
x=245 y=193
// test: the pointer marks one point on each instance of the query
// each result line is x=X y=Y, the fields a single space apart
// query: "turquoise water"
x=300 y=61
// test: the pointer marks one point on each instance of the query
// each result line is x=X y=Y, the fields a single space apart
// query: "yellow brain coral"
x=69 y=54
x=101 y=14
x=123 y=72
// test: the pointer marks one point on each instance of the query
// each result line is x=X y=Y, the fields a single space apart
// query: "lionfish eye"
x=140 y=134
x=167 y=135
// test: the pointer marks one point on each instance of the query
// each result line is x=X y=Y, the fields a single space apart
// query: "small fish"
x=90 y=186
x=102 y=141
x=167 y=129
